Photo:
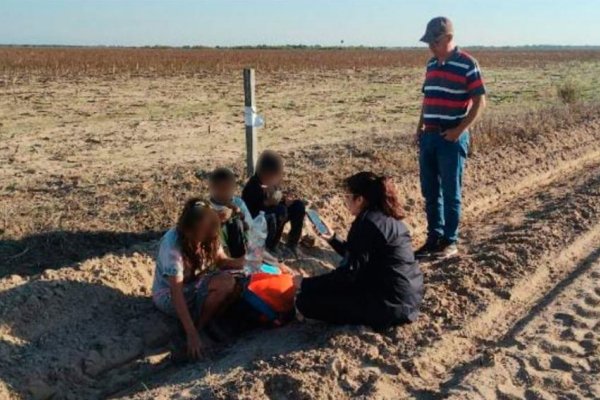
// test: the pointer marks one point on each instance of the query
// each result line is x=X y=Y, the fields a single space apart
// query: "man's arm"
x=474 y=114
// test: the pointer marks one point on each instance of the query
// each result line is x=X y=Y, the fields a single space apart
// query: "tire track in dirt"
x=552 y=351
x=505 y=318
x=529 y=184
x=496 y=248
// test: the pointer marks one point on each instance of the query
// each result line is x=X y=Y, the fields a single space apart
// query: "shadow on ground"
x=33 y=254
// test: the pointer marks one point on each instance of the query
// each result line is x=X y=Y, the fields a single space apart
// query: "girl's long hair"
x=379 y=192
x=197 y=256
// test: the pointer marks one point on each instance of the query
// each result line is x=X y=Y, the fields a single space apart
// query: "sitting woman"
x=188 y=281
x=378 y=283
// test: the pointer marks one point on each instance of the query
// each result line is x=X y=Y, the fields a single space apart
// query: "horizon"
x=299 y=47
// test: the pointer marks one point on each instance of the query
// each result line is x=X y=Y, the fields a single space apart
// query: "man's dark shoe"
x=445 y=249
x=427 y=249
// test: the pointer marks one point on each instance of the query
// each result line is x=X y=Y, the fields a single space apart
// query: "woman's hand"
x=418 y=135
x=194 y=345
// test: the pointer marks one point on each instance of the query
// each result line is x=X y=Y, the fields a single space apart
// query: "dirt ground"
x=551 y=352
x=94 y=170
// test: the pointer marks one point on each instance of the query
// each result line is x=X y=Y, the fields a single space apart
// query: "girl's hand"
x=273 y=196
x=285 y=269
x=194 y=345
x=238 y=262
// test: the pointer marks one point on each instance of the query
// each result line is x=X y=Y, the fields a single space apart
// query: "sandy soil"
x=90 y=331
x=552 y=351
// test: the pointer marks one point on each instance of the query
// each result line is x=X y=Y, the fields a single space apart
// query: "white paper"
x=251 y=118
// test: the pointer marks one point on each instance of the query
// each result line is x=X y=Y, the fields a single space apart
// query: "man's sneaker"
x=445 y=249
x=427 y=249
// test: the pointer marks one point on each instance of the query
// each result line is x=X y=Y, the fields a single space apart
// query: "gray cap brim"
x=427 y=38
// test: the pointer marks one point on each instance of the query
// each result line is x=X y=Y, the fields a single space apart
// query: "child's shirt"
x=233 y=235
x=169 y=262
x=254 y=195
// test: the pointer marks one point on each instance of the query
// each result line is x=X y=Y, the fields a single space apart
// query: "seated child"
x=189 y=280
x=235 y=216
x=262 y=193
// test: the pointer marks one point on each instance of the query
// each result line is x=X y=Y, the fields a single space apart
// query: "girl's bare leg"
x=220 y=289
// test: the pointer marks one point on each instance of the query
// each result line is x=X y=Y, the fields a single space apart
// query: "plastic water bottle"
x=257 y=236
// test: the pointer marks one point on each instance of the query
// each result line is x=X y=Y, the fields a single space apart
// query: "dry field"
x=99 y=147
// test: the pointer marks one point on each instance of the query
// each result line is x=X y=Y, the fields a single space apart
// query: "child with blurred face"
x=262 y=193
x=232 y=211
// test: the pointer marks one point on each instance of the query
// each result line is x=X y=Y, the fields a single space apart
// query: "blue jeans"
x=441 y=165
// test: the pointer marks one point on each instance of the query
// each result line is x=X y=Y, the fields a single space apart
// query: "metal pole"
x=250 y=107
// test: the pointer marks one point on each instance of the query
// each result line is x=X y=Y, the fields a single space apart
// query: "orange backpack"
x=272 y=296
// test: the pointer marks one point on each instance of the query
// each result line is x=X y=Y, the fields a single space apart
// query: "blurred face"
x=206 y=229
x=354 y=203
x=271 y=179
x=222 y=192
x=440 y=47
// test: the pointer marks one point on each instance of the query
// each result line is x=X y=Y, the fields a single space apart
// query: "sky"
x=309 y=22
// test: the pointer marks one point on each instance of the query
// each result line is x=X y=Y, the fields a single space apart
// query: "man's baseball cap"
x=436 y=28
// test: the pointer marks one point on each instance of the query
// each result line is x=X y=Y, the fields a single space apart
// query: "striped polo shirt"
x=448 y=90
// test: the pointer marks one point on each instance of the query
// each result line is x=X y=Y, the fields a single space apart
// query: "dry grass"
x=568 y=92
x=500 y=129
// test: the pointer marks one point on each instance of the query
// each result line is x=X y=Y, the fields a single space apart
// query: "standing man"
x=454 y=98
